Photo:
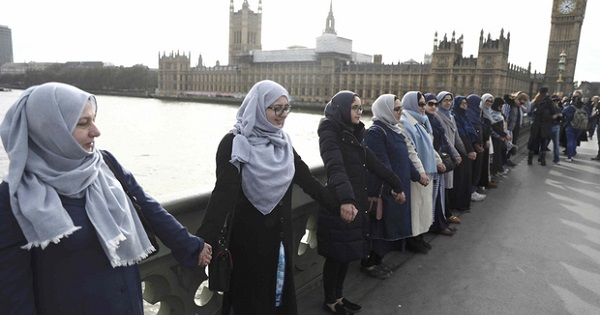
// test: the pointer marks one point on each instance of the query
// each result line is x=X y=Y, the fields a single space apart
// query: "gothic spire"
x=330 y=22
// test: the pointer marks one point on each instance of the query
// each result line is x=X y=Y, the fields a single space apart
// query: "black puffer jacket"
x=346 y=161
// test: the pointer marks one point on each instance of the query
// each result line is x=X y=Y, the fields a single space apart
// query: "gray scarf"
x=46 y=162
x=265 y=149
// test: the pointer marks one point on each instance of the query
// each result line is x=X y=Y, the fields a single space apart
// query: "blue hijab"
x=474 y=110
x=465 y=128
x=419 y=133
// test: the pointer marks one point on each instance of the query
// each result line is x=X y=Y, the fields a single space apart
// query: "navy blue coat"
x=75 y=276
x=346 y=161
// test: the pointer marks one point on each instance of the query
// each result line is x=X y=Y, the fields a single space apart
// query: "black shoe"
x=376 y=272
x=416 y=248
x=351 y=306
x=339 y=309
x=386 y=268
x=596 y=158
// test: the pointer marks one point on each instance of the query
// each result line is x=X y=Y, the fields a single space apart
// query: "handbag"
x=219 y=269
x=448 y=161
x=221 y=265
x=376 y=205
x=136 y=205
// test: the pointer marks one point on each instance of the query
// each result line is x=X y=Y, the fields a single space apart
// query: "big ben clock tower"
x=565 y=34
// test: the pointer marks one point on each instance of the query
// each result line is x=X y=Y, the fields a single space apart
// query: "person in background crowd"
x=386 y=140
x=594 y=108
x=556 y=124
x=419 y=131
x=71 y=239
x=346 y=161
x=596 y=118
x=544 y=114
x=515 y=105
x=256 y=167
x=441 y=216
x=572 y=134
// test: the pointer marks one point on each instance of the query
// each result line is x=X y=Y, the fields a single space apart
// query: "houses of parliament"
x=313 y=75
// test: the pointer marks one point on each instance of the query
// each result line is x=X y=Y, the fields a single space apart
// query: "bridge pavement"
x=531 y=247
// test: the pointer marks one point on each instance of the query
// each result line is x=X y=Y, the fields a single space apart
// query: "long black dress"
x=255 y=237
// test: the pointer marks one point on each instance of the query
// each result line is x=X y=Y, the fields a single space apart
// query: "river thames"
x=170 y=146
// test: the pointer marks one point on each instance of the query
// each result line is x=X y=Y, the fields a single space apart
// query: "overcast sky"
x=128 y=32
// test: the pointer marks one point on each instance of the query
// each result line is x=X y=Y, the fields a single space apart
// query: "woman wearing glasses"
x=261 y=241
x=346 y=161
x=442 y=216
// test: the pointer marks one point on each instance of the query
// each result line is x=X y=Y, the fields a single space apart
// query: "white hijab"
x=383 y=110
x=46 y=162
x=264 y=149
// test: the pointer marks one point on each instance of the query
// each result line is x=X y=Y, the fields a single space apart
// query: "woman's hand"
x=399 y=197
x=472 y=155
x=205 y=255
x=348 y=212
x=424 y=180
x=458 y=160
x=441 y=168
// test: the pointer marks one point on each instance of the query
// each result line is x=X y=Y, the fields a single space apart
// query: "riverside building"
x=312 y=75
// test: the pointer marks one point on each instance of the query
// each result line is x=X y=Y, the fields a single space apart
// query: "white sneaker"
x=477 y=196
x=569 y=159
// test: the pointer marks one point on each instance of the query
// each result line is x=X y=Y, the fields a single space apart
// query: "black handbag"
x=219 y=269
x=448 y=161
x=221 y=265
x=136 y=205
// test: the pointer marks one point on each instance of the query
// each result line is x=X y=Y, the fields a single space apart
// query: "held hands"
x=478 y=148
x=424 y=180
x=441 y=167
x=472 y=155
x=348 y=212
x=399 y=198
x=458 y=160
x=205 y=255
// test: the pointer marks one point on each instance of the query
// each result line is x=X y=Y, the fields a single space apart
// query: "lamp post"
x=562 y=63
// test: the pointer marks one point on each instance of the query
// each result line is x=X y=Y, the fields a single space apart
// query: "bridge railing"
x=172 y=289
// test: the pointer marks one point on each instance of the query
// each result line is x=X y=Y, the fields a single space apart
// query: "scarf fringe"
x=120 y=263
x=55 y=240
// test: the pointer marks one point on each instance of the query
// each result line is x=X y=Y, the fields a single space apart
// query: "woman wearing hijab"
x=346 y=161
x=486 y=136
x=474 y=116
x=463 y=193
x=256 y=167
x=386 y=140
x=420 y=133
x=71 y=238
x=492 y=116
x=441 y=216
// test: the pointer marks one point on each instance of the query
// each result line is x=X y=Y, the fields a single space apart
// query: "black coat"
x=346 y=161
x=255 y=237
x=541 y=127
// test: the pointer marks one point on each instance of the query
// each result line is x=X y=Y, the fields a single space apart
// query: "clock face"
x=566 y=6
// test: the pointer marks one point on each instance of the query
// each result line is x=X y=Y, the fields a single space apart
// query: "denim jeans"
x=555 y=144
x=572 y=136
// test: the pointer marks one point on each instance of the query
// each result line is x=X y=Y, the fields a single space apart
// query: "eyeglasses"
x=357 y=108
x=398 y=109
x=279 y=110
x=432 y=103
x=422 y=104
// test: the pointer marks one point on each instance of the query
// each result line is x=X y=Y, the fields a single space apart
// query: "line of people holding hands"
x=71 y=238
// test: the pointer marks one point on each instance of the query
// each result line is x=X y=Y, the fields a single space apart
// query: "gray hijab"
x=46 y=162
x=264 y=149
x=383 y=110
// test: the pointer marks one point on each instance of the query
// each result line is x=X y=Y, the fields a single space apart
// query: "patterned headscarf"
x=265 y=150
x=46 y=162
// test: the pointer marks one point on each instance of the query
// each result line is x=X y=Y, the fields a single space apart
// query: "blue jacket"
x=75 y=276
